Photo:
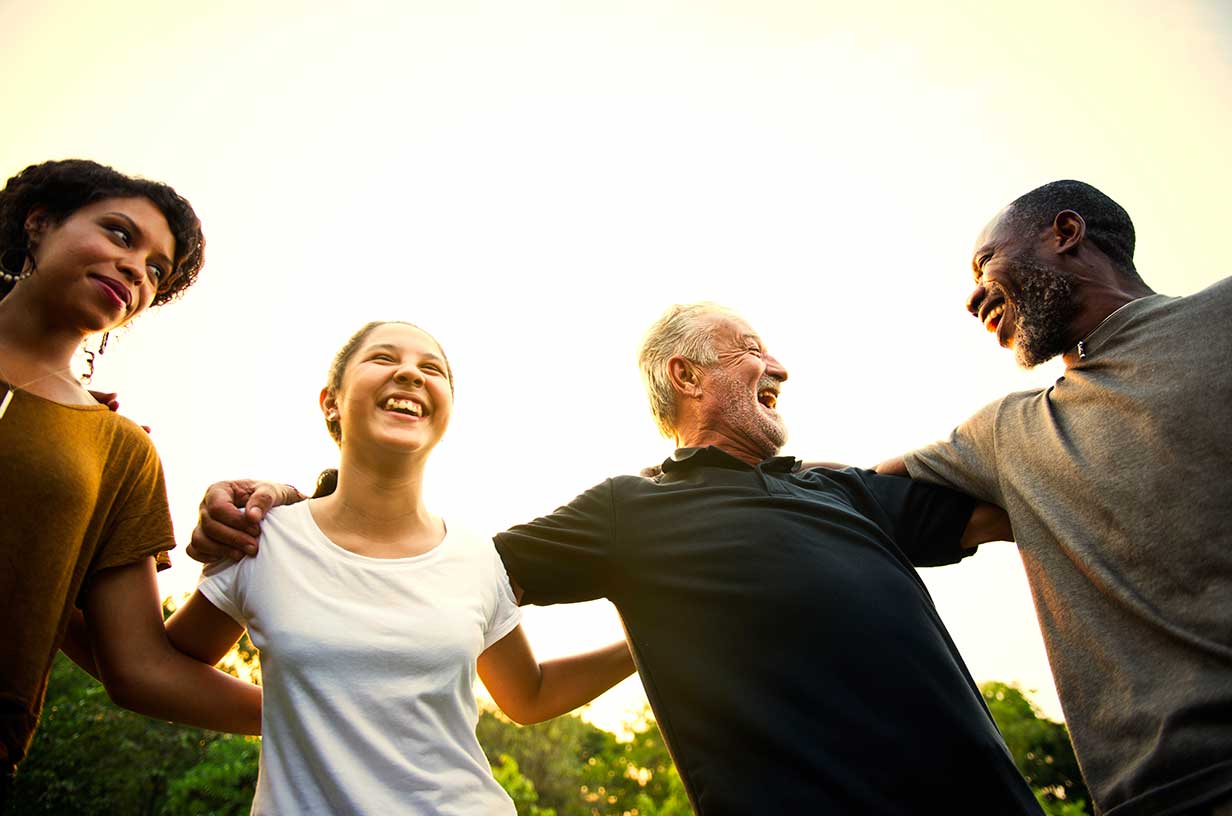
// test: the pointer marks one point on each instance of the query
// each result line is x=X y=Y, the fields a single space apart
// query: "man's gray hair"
x=687 y=330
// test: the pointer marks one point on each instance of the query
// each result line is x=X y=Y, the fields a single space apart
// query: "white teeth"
x=995 y=313
x=404 y=406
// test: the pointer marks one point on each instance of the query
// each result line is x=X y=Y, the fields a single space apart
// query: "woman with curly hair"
x=84 y=522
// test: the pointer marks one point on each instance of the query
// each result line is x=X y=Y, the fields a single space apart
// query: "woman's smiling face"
x=395 y=391
x=102 y=265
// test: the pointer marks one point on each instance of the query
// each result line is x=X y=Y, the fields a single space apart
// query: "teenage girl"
x=371 y=612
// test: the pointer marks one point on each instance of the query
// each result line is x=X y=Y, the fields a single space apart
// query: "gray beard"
x=1046 y=308
x=743 y=416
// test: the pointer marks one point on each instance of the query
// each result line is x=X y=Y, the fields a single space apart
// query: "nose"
x=132 y=267
x=976 y=298
x=775 y=369
x=409 y=374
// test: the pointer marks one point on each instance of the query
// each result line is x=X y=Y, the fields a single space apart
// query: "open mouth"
x=992 y=318
x=404 y=406
x=768 y=397
x=992 y=311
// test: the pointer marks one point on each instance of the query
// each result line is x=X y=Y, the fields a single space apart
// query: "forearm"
x=569 y=682
x=988 y=523
x=893 y=467
x=143 y=672
x=172 y=686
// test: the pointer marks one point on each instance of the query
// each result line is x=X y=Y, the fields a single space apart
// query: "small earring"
x=7 y=275
x=332 y=416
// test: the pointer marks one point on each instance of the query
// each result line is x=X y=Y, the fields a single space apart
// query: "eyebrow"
x=751 y=338
x=158 y=255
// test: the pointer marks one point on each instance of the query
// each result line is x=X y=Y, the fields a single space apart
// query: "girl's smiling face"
x=395 y=391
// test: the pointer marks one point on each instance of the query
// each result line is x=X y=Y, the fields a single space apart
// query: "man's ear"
x=685 y=376
x=1069 y=231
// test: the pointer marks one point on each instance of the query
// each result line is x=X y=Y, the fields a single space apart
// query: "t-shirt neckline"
x=326 y=543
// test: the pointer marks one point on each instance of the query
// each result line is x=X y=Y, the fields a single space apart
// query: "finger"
x=212 y=540
x=108 y=398
x=223 y=503
x=211 y=553
x=224 y=536
x=264 y=496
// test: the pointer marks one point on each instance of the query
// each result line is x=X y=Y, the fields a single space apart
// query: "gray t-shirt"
x=1116 y=480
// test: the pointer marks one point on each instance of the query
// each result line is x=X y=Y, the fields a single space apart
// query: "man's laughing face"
x=1028 y=304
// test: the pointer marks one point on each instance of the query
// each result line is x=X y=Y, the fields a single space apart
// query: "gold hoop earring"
x=7 y=275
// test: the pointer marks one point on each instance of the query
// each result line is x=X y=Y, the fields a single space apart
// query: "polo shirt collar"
x=688 y=458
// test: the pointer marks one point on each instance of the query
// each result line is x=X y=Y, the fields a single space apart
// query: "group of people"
x=794 y=659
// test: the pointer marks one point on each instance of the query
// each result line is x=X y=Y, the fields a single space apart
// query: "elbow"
x=125 y=689
x=521 y=715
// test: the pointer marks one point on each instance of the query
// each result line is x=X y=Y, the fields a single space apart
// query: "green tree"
x=520 y=789
x=222 y=785
x=91 y=757
x=552 y=755
x=581 y=770
x=1041 y=749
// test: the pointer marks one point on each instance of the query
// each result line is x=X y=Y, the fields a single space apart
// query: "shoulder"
x=290 y=521
x=846 y=476
x=987 y=416
x=127 y=435
x=1216 y=296
x=625 y=484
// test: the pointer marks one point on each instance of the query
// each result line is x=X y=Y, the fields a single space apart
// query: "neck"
x=25 y=334
x=704 y=438
x=1099 y=300
x=378 y=501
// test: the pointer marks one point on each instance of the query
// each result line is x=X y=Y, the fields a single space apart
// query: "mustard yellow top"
x=81 y=490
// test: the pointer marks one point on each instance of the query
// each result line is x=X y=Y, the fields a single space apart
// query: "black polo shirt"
x=793 y=657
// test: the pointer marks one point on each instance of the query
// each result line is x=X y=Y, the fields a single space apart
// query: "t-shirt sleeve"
x=926 y=521
x=966 y=461
x=223 y=583
x=139 y=524
x=505 y=612
x=564 y=557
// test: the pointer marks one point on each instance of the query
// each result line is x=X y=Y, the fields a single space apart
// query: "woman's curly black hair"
x=63 y=187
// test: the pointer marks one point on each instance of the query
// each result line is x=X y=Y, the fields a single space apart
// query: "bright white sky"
x=535 y=182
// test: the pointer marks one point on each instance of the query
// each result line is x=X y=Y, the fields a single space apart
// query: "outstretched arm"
x=229 y=519
x=988 y=521
x=142 y=671
x=530 y=692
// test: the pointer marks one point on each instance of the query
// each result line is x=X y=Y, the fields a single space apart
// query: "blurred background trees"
x=90 y=757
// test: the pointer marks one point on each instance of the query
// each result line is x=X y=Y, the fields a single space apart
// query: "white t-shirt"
x=368 y=667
